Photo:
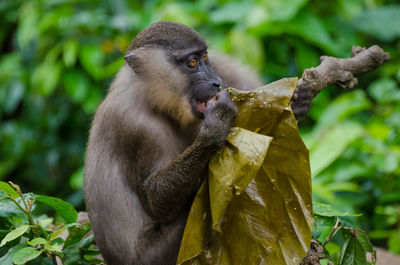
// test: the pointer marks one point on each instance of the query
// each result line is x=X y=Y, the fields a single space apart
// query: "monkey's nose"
x=217 y=82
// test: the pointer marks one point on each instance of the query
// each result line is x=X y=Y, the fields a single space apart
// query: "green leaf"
x=364 y=241
x=379 y=130
x=231 y=12
x=76 y=179
x=312 y=29
x=381 y=22
x=56 y=233
x=305 y=25
x=76 y=85
x=180 y=12
x=322 y=227
x=327 y=210
x=63 y=208
x=75 y=252
x=76 y=234
x=332 y=145
x=343 y=107
x=45 y=77
x=26 y=254
x=324 y=261
x=283 y=10
x=70 y=52
x=19 y=231
x=8 y=208
x=394 y=241
x=384 y=90
x=92 y=59
x=37 y=241
x=92 y=102
x=271 y=11
x=321 y=193
x=27 y=27
x=112 y=68
x=3 y=195
x=41 y=260
x=247 y=48
x=7 y=165
x=306 y=56
x=8 y=257
x=349 y=172
x=343 y=186
x=7 y=189
x=46 y=221
x=333 y=248
x=54 y=248
x=15 y=95
x=352 y=252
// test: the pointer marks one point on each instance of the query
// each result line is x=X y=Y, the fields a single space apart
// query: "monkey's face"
x=170 y=60
x=202 y=84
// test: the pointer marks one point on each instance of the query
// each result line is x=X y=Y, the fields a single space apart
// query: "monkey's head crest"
x=163 y=35
x=167 y=35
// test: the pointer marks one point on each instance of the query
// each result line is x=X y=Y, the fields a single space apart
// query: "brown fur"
x=147 y=152
x=168 y=35
x=165 y=88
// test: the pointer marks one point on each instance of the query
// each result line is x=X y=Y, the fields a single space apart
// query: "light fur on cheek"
x=166 y=88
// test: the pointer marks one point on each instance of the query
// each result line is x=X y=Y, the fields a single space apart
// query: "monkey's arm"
x=167 y=190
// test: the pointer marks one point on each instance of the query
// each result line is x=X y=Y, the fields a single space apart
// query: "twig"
x=333 y=231
x=28 y=207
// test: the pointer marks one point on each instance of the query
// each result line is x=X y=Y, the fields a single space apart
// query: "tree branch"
x=340 y=72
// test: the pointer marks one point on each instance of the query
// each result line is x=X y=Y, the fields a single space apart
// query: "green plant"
x=30 y=239
x=343 y=242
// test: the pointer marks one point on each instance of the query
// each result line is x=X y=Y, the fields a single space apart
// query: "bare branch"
x=340 y=72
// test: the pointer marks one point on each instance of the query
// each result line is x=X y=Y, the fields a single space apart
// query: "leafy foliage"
x=35 y=239
x=343 y=243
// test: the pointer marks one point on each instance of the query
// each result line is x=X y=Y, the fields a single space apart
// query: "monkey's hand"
x=218 y=117
x=301 y=101
x=167 y=191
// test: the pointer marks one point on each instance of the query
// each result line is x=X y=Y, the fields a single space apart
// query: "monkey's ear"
x=133 y=61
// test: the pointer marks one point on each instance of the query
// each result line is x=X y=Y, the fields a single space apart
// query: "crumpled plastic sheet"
x=255 y=206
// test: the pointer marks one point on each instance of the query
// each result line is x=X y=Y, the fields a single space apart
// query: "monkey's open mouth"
x=201 y=105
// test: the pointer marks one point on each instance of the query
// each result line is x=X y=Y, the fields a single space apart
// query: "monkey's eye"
x=192 y=63
x=205 y=57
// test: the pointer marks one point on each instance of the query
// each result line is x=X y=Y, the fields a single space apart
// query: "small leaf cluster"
x=343 y=243
x=30 y=239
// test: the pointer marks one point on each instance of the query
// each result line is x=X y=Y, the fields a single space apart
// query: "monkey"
x=151 y=139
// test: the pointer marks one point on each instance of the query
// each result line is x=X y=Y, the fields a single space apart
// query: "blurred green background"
x=58 y=58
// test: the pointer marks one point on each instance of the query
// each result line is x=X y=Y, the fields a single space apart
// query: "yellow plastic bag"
x=255 y=207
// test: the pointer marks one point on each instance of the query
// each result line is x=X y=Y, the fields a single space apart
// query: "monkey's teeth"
x=203 y=103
